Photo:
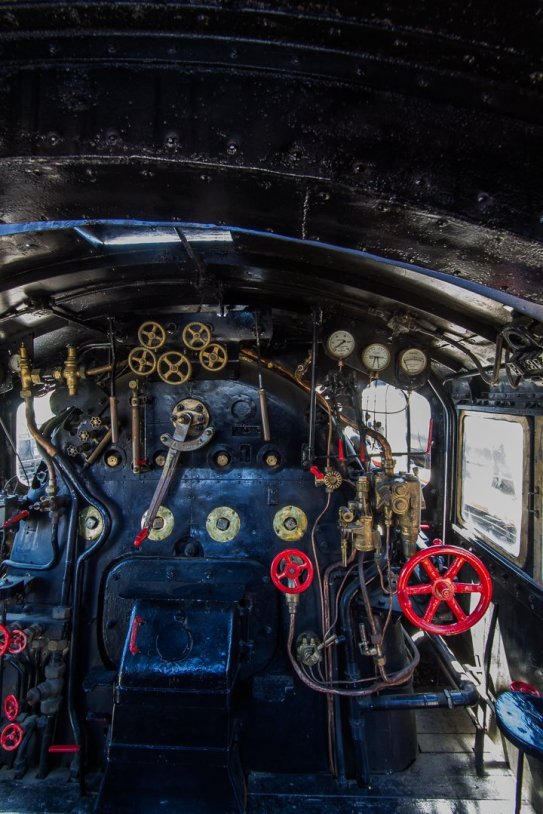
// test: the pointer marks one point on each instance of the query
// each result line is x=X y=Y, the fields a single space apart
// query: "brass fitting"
x=70 y=372
x=356 y=519
x=25 y=371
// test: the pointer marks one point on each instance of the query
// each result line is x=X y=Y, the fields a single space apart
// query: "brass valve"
x=356 y=519
x=70 y=373
x=25 y=372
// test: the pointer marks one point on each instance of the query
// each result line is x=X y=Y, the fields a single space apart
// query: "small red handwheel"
x=441 y=587
x=18 y=641
x=4 y=639
x=11 y=707
x=11 y=737
x=291 y=571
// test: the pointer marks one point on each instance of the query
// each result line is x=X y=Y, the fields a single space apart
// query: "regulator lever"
x=176 y=444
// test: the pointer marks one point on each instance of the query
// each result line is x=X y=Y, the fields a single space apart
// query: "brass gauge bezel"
x=366 y=353
x=422 y=355
x=337 y=339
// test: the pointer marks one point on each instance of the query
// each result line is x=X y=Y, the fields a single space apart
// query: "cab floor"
x=442 y=780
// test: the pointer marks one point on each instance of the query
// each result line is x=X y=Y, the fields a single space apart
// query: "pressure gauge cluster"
x=411 y=362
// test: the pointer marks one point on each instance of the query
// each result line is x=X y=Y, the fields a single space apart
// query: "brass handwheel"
x=214 y=357
x=196 y=335
x=142 y=361
x=151 y=335
x=174 y=368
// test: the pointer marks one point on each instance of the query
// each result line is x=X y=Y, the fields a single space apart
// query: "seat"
x=520 y=719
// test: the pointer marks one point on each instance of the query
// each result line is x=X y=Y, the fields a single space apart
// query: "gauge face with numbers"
x=376 y=357
x=340 y=344
x=413 y=361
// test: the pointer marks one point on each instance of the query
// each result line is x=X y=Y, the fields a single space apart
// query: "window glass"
x=492 y=479
x=393 y=412
x=27 y=449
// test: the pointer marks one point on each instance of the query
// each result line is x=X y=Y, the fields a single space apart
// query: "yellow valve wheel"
x=173 y=367
x=196 y=336
x=214 y=357
x=142 y=361
x=151 y=335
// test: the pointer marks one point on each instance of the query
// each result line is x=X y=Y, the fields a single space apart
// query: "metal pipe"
x=97 y=451
x=466 y=696
x=266 y=434
x=135 y=426
x=313 y=393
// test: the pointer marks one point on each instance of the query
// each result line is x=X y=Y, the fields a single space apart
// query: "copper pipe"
x=250 y=356
x=42 y=443
x=97 y=451
x=98 y=371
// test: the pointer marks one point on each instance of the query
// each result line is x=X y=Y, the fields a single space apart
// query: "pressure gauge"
x=413 y=361
x=340 y=344
x=376 y=357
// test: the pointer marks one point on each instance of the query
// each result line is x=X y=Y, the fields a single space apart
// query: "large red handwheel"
x=11 y=707
x=291 y=571
x=442 y=587
x=11 y=737
x=4 y=639
x=18 y=642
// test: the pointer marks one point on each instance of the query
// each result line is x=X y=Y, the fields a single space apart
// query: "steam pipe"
x=466 y=696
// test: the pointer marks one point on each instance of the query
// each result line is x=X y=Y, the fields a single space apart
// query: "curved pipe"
x=466 y=696
x=250 y=356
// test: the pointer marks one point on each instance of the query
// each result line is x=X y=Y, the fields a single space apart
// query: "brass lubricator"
x=214 y=357
x=196 y=336
x=174 y=367
x=356 y=520
x=151 y=335
x=142 y=361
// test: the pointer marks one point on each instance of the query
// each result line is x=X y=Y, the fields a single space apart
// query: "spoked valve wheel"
x=291 y=571
x=441 y=587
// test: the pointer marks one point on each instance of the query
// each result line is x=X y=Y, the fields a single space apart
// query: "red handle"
x=11 y=737
x=4 y=639
x=442 y=587
x=64 y=748
x=291 y=571
x=140 y=537
x=315 y=471
x=11 y=707
x=11 y=521
x=132 y=645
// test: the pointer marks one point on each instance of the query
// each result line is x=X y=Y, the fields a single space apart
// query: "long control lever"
x=183 y=421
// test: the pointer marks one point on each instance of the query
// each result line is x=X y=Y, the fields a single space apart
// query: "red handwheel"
x=18 y=642
x=4 y=639
x=291 y=571
x=441 y=587
x=11 y=737
x=11 y=707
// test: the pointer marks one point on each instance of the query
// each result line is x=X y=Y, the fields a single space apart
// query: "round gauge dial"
x=413 y=361
x=376 y=357
x=340 y=344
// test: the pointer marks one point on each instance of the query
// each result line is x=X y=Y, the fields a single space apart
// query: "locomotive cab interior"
x=271 y=411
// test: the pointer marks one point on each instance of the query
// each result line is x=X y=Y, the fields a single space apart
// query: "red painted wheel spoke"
x=454 y=569
x=296 y=582
x=425 y=588
x=433 y=605
x=468 y=588
x=456 y=609
x=431 y=570
x=443 y=585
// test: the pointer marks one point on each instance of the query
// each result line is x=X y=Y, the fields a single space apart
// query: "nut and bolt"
x=271 y=459
x=290 y=523
x=223 y=523
x=222 y=459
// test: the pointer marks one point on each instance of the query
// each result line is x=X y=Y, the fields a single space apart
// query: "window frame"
x=477 y=536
